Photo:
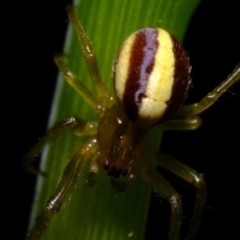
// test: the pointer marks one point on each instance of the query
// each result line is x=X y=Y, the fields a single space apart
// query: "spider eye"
x=151 y=76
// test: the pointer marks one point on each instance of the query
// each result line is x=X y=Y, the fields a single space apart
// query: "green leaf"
x=100 y=212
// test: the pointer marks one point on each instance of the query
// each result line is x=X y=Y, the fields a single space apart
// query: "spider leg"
x=77 y=125
x=89 y=54
x=79 y=87
x=192 y=177
x=184 y=123
x=211 y=97
x=167 y=192
x=64 y=189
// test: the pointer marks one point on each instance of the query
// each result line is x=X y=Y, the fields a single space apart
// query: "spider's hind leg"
x=89 y=54
x=96 y=103
x=104 y=98
x=211 y=97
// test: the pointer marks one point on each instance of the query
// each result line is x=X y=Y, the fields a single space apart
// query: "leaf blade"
x=108 y=223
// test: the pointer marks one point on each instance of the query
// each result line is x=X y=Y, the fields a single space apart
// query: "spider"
x=151 y=80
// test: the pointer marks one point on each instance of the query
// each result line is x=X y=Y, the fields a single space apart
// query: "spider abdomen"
x=152 y=76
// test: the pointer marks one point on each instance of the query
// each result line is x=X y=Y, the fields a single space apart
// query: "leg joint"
x=175 y=202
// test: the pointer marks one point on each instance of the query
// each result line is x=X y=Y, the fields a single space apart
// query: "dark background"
x=212 y=41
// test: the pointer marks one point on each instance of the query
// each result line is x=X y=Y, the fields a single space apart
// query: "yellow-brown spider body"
x=117 y=139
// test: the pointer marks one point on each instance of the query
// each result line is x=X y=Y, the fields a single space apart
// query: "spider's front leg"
x=68 y=180
x=167 y=192
x=64 y=189
x=77 y=125
x=191 y=176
